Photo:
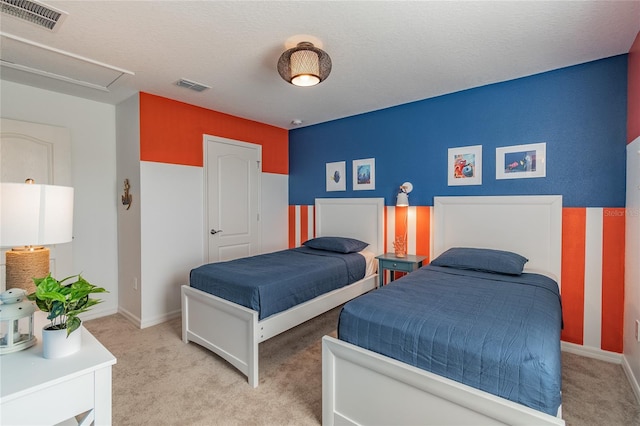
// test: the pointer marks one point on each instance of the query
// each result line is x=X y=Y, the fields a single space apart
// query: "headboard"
x=528 y=225
x=360 y=218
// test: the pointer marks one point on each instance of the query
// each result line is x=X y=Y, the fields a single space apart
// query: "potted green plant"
x=63 y=302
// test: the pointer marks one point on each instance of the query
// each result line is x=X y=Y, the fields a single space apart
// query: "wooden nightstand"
x=390 y=262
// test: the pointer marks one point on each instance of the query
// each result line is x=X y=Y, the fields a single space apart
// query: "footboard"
x=224 y=328
x=234 y=332
x=363 y=387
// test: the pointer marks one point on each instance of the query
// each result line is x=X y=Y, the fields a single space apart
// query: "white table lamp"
x=32 y=216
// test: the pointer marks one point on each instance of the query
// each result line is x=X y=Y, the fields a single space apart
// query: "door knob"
x=214 y=232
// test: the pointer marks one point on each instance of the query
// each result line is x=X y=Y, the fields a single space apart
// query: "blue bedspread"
x=497 y=333
x=274 y=282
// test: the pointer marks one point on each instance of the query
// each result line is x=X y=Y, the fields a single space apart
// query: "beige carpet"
x=158 y=380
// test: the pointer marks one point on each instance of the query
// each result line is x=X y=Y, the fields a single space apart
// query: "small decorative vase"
x=400 y=246
x=56 y=344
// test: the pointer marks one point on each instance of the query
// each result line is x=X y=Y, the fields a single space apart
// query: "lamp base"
x=24 y=265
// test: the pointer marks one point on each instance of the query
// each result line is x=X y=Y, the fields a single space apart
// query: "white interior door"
x=232 y=198
x=42 y=153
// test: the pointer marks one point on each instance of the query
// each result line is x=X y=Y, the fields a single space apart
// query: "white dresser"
x=39 y=391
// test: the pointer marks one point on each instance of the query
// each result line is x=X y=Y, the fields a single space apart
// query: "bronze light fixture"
x=304 y=65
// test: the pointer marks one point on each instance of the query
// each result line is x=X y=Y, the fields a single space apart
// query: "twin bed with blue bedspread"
x=470 y=338
x=231 y=307
x=274 y=282
x=495 y=332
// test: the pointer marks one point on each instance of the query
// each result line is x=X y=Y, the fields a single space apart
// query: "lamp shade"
x=402 y=200
x=304 y=65
x=32 y=214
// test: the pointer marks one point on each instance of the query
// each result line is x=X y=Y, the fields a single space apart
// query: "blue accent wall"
x=580 y=112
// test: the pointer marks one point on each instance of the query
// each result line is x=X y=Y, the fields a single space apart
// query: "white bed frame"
x=234 y=332
x=361 y=387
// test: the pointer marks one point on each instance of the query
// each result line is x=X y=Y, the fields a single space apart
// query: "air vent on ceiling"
x=34 y=12
x=198 y=87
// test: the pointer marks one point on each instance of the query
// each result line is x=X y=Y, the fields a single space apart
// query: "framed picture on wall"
x=364 y=174
x=465 y=165
x=336 y=180
x=521 y=161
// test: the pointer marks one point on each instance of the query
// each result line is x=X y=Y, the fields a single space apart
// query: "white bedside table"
x=35 y=390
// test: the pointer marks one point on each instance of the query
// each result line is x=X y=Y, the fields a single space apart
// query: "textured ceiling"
x=384 y=53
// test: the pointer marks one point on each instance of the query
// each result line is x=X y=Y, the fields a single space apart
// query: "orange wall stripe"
x=172 y=132
x=292 y=226
x=613 y=257
x=423 y=231
x=573 y=262
x=384 y=231
x=304 y=223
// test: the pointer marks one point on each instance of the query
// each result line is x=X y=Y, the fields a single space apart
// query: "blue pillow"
x=337 y=244
x=478 y=259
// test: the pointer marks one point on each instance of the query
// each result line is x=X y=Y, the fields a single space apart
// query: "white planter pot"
x=56 y=344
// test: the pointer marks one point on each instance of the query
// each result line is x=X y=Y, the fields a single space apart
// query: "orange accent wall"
x=633 y=91
x=613 y=244
x=423 y=231
x=292 y=226
x=172 y=131
x=573 y=262
x=304 y=218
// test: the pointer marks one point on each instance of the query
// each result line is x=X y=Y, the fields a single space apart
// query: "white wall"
x=128 y=167
x=172 y=235
x=274 y=212
x=93 y=167
x=632 y=267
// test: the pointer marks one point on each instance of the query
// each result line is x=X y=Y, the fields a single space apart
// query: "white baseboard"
x=138 y=322
x=131 y=317
x=632 y=379
x=97 y=313
x=589 y=352
x=160 y=319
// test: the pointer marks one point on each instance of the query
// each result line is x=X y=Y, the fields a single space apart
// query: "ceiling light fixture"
x=304 y=65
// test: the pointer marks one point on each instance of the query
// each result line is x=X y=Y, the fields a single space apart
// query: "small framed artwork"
x=465 y=165
x=521 y=161
x=364 y=174
x=335 y=176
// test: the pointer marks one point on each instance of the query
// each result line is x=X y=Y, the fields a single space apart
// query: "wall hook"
x=127 y=198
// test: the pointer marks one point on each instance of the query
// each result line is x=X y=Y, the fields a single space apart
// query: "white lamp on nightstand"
x=402 y=200
x=32 y=216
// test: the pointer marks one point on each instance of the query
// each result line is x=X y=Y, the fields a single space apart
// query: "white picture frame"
x=521 y=161
x=464 y=165
x=335 y=176
x=364 y=174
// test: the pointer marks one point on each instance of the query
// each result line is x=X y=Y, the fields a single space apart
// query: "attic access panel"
x=28 y=56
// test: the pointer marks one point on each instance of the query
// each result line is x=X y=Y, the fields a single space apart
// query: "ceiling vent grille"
x=34 y=12
x=198 y=87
